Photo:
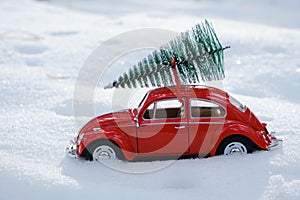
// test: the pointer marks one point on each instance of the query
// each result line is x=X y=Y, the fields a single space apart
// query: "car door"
x=206 y=120
x=163 y=129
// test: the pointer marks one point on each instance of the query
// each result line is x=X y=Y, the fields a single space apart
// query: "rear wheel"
x=235 y=145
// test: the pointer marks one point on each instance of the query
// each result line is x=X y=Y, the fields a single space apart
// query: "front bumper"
x=274 y=143
x=72 y=149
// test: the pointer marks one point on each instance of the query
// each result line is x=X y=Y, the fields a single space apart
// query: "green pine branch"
x=198 y=54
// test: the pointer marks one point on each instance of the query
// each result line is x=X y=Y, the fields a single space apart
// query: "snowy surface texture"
x=43 y=45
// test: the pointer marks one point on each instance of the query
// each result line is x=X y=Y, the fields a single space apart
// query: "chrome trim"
x=244 y=107
x=154 y=110
x=207 y=122
x=71 y=149
x=128 y=125
x=96 y=129
x=162 y=123
x=121 y=126
x=179 y=127
x=275 y=143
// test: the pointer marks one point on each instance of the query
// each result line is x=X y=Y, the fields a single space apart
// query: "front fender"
x=243 y=130
x=126 y=143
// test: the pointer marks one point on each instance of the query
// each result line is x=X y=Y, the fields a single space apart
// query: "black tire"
x=235 y=140
x=93 y=146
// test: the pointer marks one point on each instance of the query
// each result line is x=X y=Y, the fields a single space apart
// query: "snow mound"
x=43 y=44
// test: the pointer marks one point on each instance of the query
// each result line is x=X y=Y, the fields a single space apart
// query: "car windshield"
x=143 y=101
x=237 y=104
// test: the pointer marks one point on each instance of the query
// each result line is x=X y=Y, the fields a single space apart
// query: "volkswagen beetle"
x=174 y=122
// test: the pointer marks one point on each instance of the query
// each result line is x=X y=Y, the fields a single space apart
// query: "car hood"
x=113 y=119
x=116 y=119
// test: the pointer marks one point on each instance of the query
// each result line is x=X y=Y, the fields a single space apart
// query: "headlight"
x=80 y=138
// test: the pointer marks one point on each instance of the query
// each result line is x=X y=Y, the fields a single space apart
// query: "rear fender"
x=243 y=130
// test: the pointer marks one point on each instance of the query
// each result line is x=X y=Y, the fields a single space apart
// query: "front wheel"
x=235 y=146
x=103 y=151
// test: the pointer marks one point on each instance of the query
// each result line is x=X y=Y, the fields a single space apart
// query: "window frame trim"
x=155 y=106
x=206 y=100
x=231 y=99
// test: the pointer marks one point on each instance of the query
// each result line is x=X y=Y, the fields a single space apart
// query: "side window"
x=201 y=108
x=149 y=112
x=171 y=108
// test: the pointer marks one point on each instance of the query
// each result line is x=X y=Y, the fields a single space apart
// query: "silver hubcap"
x=235 y=148
x=104 y=153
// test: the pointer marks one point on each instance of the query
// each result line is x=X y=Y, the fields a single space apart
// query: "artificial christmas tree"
x=190 y=58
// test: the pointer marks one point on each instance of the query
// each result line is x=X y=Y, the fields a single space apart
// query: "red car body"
x=206 y=119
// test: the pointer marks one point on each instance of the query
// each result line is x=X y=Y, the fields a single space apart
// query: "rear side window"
x=202 y=108
x=237 y=104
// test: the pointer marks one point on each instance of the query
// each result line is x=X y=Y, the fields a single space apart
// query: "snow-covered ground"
x=43 y=45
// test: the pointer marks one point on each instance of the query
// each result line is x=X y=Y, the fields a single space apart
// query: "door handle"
x=179 y=127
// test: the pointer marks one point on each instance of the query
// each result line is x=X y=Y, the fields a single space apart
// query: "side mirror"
x=135 y=112
x=136 y=117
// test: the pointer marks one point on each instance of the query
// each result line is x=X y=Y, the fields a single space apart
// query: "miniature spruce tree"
x=194 y=56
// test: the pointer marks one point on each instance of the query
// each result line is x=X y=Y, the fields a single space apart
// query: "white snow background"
x=43 y=44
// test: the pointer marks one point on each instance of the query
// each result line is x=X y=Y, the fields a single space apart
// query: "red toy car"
x=170 y=121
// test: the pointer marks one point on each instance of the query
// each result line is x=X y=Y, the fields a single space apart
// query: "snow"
x=43 y=45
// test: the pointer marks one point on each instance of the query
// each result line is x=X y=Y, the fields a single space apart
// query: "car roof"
x=189 y=90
